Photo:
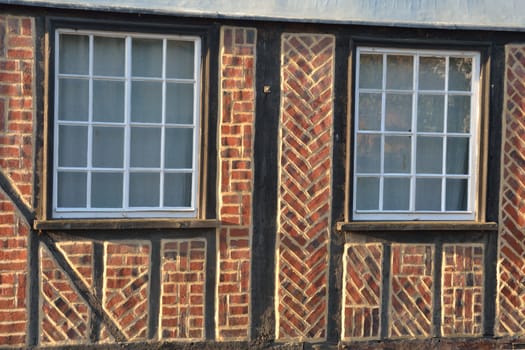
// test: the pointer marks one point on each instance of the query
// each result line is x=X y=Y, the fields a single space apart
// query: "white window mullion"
x=413 y=151
x=90 y=125
x=163 y=127
x=56 y=122
x=445 y=140
x=382 y=146
x=196 y=122
x=127 y=121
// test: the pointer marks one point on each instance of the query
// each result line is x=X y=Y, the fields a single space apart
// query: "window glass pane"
x=368 y=153
x=71 y=190
x=429 y=158
x=432 y=73
x=180 y=59
x=457 y=155
x=428 y=194
x=398 y=112
x=399 y=72
x=72 y=146
x=370 y=111
x=370 y=71
x=74 y=54
x=458 y=114
x=367 y=196
x=73 y=99
x=106 y=190
x=179 y=103
x=145 y=147
x=396 y=194
x=144 y=190
x=430 y=113
x=457 y=194
x=177 y=190
x=460 y=73
x=108 y=56
x=179 y=148
x=397 y=154
x=108 y=101
x=108 y=147
x=146 y=102
x=146 y=58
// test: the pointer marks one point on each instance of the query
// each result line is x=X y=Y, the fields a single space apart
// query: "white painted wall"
x=489 y=14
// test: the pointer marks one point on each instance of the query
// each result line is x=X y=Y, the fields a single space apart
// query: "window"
x=416 y=134
x=126 y=125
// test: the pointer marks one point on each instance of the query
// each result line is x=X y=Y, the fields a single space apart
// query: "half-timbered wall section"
x=185 y=182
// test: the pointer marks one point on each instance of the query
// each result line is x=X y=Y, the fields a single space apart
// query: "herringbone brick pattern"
x=362 y=280
x=126 y=278
x=411 y=290
x=236 y=131
x=65 y=315
x=462 y=290
x=183 y=289
x=17 y=54
x=304 y=185
x=511 y=267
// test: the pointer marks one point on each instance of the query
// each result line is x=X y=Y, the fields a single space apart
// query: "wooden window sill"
x=369 y=226
x=121 y=224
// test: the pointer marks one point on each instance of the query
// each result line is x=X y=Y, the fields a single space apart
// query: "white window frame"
x=473 y=172
x=127 y=211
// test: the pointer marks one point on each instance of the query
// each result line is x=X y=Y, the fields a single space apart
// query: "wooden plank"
x=120 y=224
x=365 y=226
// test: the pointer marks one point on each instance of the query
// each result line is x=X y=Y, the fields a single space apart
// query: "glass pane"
x=146 y=58
x=367 y=196
x=177 y=190
x=108 y=56
x=369 y=111
x=457 y=194
x=398 y=112
x=458 y=114
x=106 y=190
x=144 y=190
x=457 y=155
x=399 y=72
x=397 y=154
x=71 y=191
x=72 y=146
x=429 y=158
x=145 y=147
x=432 y=73
x=180 y=58
x=73 y=99
x=108 y=101
x=146 y=102
x=108 y=147
x=430 y=113
x=370 y=71
x=460 y=73
x=179 y=148
x=428 y=194
x=396 y=194
x=368 y=153
x=179 y=103
x=74 y=54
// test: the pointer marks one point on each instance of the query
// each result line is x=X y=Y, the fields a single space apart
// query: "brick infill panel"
x=306 y=122
x=236 y=135
x=411 y=289
x=510 y=311
x=183 y=290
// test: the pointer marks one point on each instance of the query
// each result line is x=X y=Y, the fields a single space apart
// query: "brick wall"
x=307 y=74
x=16 y=153
x=236 y=129
x=511 y=261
